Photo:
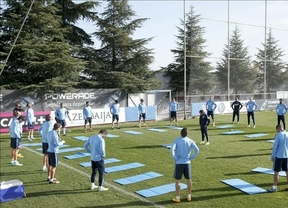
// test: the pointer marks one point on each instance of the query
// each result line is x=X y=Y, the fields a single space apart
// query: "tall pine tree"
x=121 y=61
x=42 y=59
x=198 y=76
x=276 y=71
x=72 y=12
x=241 y=71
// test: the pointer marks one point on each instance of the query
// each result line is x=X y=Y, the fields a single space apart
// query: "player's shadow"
x=143 y=147
x=237 y=156
x=238 y=173
x=56 y=192
x=253 y=140
x=16 y=173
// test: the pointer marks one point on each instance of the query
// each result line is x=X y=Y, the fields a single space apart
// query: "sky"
x=164 y=17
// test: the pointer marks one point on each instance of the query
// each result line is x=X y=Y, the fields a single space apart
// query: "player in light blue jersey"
x=251 y=106
x=53 y=149
x=142 y=112
x=87 y=114
x=43 y=131
x=15 y=130
x=279 y=156
x=115 y=110
x=60 y=116
x=30 y=121
x=210 y=107
x=174 y=107
x=181 y=151
x=281 y=110
x=96 y=146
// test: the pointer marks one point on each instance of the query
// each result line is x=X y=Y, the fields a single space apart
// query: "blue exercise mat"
x=225 y=126
x=137 y=178
x=174 y=127
x=31 y=144
x=133 y=132
x=270 y=141
x=157 y=130
x=159 y=190
x=70 y=149
x=64 y=145
x=77 y=155
x=112 y=136
x=255 y=135
x=107 y=161
x=81 y=138
x=123 y=167
x=168 y=146
x=247 y=188
x=232 y=132
x=267 y=171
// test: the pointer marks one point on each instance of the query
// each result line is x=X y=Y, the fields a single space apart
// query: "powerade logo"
x=221 y=107
x=70 y=96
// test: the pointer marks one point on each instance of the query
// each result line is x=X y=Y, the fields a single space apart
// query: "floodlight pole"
x=184 y=48
x=265 y=52
x=228 y=55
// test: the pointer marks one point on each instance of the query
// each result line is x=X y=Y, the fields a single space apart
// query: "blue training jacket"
x=181 y=150
x=97 y=147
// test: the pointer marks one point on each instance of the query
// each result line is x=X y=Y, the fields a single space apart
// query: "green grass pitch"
x=227 y=157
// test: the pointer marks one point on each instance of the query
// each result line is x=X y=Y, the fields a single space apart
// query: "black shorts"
x=182 y=169
x=44 y=147
x=62 y=122
x=210 y=113
x=88 y=120
x=31 y=125
x=142 y=115
x=173 y=114
x=53 y=159
x=280 y=164
x=115 y=117
x=15 y=143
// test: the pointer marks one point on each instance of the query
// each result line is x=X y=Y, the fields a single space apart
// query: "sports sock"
x=178 y=197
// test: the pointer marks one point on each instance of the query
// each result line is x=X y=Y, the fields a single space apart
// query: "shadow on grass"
x=239 y=173
x=253 y=140
x=17 y=173
x=129 y=204
x=144 y=147
x=56 y=192
x=237 y=156
x=168 y=202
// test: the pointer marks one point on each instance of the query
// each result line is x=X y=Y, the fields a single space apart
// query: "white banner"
x=100 y=116
x=225 y=107
x=222 y=107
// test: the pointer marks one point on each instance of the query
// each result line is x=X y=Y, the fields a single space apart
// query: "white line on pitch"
x=108 y=184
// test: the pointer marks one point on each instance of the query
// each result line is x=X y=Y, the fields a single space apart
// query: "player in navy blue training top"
x=204 y=123
x=236 y=106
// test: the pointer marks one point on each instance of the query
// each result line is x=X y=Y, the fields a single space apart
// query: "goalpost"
x=158 y=98
x=161 y=101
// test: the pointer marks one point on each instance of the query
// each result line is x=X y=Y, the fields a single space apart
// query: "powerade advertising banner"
x=43 y=104
x=98 y=98
x=225 y=106
x=100 y=101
